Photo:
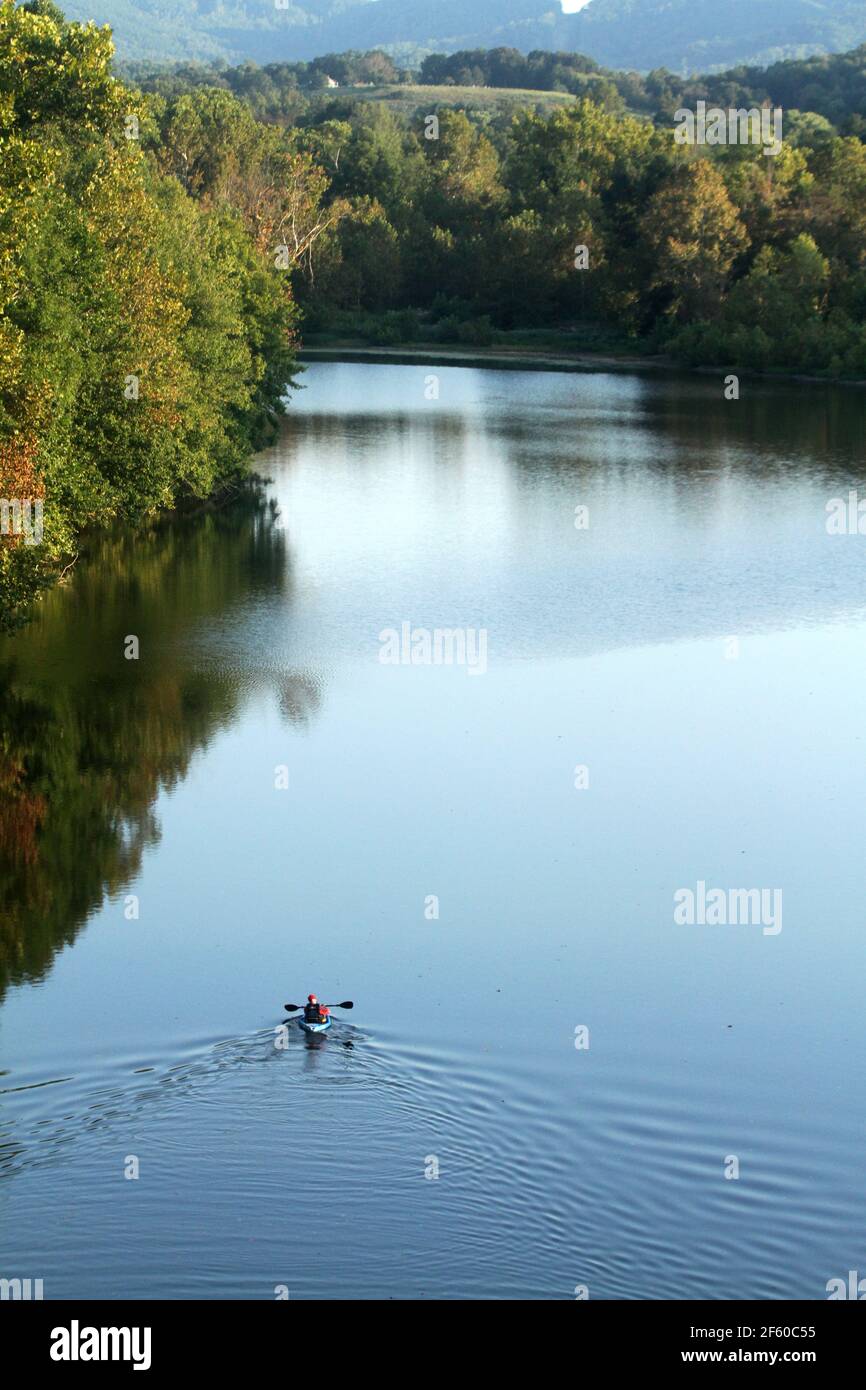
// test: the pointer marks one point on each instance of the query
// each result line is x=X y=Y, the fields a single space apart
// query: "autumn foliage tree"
x=146 y=337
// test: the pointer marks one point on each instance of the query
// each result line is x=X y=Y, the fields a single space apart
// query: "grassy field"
x=409 y=100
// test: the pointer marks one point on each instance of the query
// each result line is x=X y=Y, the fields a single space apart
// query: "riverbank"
x=517 y=359
x=541 y=360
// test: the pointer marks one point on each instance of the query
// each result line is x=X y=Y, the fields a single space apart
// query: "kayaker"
x=314 y=1012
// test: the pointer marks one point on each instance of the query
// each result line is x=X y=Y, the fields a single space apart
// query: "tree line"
x=832 y=86
x=146 y=339
x=456 y=225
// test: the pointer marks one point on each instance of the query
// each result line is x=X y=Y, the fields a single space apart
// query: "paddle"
x=293 y=1008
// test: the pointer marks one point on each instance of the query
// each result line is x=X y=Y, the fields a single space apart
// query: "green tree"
x=147 y=339
x=692 y=236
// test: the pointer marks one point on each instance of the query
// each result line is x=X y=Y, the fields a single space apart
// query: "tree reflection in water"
x=89 y=739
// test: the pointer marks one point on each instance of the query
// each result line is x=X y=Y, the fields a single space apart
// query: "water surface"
x=698 y=649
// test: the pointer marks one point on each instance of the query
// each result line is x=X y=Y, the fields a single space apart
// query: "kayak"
x=314 y=1027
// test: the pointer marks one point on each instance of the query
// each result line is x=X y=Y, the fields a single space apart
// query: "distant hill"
x=493 y=83
x=683 y=35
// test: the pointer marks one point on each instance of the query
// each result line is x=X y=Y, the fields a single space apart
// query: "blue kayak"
x=314 y=1027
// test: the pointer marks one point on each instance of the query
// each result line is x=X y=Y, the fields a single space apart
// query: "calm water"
x=699 y=649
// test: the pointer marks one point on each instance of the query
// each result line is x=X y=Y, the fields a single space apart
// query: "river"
x=549 y=1087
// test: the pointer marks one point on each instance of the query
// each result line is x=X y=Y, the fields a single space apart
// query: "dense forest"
x=465 y=228
x=160 y=246
x=146 y=338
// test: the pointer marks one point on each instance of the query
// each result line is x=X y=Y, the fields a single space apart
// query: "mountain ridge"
x=682 y=35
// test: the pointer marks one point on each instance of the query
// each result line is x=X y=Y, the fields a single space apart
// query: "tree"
x=146 y=340
x=692 y=236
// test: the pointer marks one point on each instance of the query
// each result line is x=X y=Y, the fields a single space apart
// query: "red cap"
x=311 y=999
